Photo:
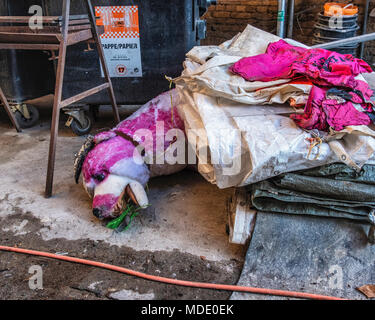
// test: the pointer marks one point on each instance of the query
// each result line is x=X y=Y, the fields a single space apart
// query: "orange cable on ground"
x=193 y=284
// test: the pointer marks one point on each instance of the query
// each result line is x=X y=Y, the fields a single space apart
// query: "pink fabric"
x=323 y=68
x=104 y=201
x=111 y=148
x=284 y=61
x=321 y=113
x=105 y=155
x=148 y=120
x=273 y=65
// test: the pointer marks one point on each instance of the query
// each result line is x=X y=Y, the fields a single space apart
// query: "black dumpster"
x=24 y=74
x=155 y=37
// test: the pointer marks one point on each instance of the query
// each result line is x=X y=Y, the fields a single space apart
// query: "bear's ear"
x=89 y=144
x=81 y=156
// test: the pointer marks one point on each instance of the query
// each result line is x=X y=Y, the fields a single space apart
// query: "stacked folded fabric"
x=333 y=190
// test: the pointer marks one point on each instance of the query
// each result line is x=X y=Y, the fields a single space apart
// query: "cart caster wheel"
x=81 y=130
x=27 y=122
x=94 y=111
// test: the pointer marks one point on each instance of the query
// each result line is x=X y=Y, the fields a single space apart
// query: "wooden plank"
x=11 y=116
x=26 y=29
x=46 y=29
x=76 y=17
x=26 y=19
x=77 y=22
x=28 y=46
x=79 y=36
x=45 y=38
x=241 y=218
x=83 y=95
x=79 y=27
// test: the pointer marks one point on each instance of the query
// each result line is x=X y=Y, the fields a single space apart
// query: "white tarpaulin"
x=241 y=131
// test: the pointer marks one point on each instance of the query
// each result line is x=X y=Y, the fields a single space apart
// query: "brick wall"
x=229 y=17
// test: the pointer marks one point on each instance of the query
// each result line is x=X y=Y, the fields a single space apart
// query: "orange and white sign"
x=121 y=39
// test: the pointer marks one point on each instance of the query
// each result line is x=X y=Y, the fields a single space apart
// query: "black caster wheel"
x=94 y=111
x=27 y=122
x=80 y=130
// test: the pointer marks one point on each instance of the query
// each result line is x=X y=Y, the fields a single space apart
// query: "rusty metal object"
x=58 y=34
x=9 y=111
x=99 y=46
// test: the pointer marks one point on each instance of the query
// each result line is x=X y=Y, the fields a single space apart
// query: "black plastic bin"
x=24 y=74
x=349 y=49
x=347 y=21
x=338 y=34
x=326 y=32
x=168 y=29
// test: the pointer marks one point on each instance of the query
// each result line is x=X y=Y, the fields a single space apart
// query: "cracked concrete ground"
x=182 y=235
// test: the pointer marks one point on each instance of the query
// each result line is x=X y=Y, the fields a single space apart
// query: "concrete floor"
x=184 y=228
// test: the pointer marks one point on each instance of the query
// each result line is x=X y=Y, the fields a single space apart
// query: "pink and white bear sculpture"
x=111 y=162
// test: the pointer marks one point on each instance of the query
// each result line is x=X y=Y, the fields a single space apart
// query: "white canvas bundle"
x=245 y=126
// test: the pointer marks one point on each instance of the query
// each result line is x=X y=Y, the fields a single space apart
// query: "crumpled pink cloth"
x=111 y=148
x=321 y=113
x=284 y=61
x=323 y=68
x=275 y=64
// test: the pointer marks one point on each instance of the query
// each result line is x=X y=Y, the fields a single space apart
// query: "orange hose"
x=194 y=284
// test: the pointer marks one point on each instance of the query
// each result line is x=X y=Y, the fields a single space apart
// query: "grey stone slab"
x=310 y=254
